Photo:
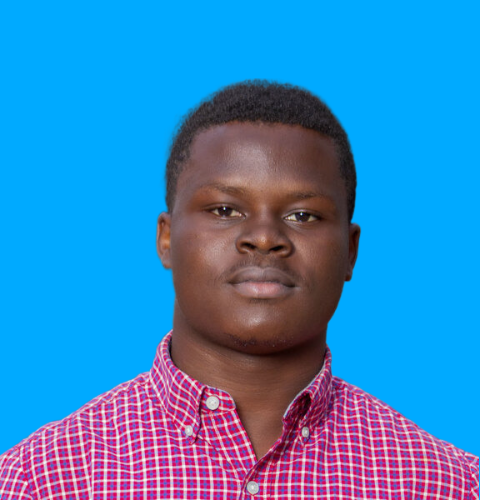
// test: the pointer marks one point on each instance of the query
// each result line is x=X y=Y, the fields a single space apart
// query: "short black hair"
x=260 y=101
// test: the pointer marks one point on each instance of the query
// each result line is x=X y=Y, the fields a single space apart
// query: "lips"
x=262 y=275
x=262 y=283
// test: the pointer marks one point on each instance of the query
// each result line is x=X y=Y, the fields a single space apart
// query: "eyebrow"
x=304 y=195
x=240 y=191
x=224 y=188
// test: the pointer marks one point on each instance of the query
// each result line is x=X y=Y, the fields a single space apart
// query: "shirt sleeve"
x=13 y=483
x=473 y=463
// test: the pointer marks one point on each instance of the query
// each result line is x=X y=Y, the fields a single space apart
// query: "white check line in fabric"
x=164 y=435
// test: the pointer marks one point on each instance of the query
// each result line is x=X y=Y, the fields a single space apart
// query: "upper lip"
x=262 y=275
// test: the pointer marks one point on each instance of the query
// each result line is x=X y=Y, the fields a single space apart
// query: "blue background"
x=91 y=92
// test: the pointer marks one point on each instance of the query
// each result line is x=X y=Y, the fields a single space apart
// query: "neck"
x=262 y=386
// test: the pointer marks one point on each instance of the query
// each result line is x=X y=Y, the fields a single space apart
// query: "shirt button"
x=188 y=430
x=305 y=432
x=252 y=487
x=213 y=403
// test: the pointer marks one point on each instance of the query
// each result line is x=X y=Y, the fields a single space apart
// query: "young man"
x=241 y=401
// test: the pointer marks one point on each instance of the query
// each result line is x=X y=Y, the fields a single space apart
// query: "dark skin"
x=260 y=245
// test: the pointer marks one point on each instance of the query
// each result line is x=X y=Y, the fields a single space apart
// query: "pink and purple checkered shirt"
x=165 y=435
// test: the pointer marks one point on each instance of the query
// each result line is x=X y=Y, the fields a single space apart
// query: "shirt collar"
x=311 y=404
x=178 y=393
x=183 y=397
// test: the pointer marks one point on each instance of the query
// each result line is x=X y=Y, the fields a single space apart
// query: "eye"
x=301 y=217
x=226 y=212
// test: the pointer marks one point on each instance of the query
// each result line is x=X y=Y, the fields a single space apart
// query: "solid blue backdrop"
x=91 y=92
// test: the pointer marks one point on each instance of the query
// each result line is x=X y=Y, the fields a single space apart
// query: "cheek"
x=197 y=258
x=329 y=264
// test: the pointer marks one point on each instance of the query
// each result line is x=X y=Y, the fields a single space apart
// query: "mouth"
x=262 y=283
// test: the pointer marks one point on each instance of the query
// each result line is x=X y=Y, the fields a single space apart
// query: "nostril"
x=264 y=239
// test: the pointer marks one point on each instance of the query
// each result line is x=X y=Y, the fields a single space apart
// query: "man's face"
x=259 y=240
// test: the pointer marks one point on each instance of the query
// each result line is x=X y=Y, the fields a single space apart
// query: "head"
x=261 y=187
x=261 y=101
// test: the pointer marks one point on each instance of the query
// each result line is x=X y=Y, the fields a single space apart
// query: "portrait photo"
x=106 y=107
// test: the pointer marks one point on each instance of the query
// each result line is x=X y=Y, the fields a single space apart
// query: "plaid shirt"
x=165 y=435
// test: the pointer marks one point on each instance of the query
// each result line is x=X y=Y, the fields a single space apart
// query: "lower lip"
x=262 y=289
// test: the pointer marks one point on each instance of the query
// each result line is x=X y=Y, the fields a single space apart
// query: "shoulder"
x=392 y=441
x=66 y=444
x=102 y=409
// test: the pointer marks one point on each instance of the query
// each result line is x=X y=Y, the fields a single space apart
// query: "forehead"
x=259 y=141
x=261 y=159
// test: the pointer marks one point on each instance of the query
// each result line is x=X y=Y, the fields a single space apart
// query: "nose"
x=264 y=237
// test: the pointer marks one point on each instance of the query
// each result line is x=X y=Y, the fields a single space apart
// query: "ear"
x=163 y=239
x=353 y=239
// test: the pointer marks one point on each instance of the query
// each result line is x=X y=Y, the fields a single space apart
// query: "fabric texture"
x=160 y=436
